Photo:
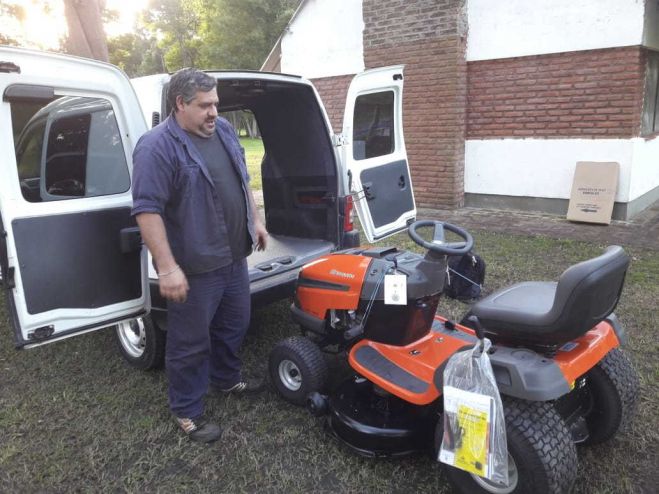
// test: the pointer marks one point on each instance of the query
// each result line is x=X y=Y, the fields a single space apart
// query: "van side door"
x=70 y=254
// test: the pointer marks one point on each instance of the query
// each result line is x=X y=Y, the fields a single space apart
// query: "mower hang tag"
x=467 y=446
x=474 y=429
x=395 y=289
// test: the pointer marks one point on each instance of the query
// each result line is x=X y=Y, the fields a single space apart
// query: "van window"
x=68 y=148
x=373 y=122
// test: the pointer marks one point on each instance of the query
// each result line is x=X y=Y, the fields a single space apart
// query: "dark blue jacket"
x=171 y=179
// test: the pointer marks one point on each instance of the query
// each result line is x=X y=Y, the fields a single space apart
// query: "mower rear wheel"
x=297 y=368
x=613 y=387
x=542 y=458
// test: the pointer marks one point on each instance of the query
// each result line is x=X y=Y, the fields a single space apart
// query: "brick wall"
x=333 y=92
x=388 y=22
x=586 y=94
x=425 y=36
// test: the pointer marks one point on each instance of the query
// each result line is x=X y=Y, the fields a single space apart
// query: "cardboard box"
x=593 y=192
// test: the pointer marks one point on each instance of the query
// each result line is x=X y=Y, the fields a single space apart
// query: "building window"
x=650 y=116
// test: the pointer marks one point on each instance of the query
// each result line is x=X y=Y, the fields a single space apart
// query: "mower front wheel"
x=297 y=368
x=542 y=458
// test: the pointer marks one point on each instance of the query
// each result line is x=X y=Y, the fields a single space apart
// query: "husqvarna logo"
x=342 y=274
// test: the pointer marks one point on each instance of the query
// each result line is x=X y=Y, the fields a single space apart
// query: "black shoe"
x=242 y=387
x=199 y=429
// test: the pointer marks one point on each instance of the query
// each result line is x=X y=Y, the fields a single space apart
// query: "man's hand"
x=174 y=286
x=261 y=236
x=171 y=279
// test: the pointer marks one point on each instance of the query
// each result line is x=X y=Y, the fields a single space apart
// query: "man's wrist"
x=168 y=272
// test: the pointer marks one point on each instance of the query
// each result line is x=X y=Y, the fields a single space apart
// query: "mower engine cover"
x=354 y=281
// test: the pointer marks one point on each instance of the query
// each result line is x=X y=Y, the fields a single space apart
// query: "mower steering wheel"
x=438 y=243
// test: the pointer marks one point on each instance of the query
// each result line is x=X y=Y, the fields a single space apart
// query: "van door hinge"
x=8 y=279
x=339 y=140
x=42 y=333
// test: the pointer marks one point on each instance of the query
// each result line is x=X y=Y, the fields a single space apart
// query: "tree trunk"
x=86 y=35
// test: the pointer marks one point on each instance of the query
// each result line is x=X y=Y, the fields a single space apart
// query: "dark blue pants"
x=204 y=335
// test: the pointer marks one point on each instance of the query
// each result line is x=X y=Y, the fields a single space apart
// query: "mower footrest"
x=385 y=369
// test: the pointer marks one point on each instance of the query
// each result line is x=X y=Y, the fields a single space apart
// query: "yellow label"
x=472 y=440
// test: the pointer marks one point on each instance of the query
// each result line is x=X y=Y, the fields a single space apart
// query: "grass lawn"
x=74 y=417
x=253 y=156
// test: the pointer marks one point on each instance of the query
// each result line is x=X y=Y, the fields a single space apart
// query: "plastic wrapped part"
x=474 y=437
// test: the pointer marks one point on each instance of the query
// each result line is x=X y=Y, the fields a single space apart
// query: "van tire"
x=141 y=343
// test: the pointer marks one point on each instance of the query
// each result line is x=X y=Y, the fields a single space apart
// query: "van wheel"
x=613 y=387
x=542 y=458
x=297 y=368
x=141 y=343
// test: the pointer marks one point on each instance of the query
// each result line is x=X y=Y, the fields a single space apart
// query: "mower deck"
x=377 y=424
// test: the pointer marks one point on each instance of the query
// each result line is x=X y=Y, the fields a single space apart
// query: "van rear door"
x=374 y=152
x=70 y=254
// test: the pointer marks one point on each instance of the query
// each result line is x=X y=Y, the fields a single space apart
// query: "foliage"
x=219 y=34
x=253 y=157
x=136 y=54
x=176 y=25
x=240 y=33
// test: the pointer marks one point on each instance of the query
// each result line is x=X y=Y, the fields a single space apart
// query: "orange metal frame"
x=425 y=355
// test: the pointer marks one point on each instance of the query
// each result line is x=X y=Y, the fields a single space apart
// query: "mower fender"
x=524 y=374
x=618 y=328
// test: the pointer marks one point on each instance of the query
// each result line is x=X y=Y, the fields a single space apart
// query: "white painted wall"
x=545 y=167
x=513 y=28
x=324 y=39
x=645 y=169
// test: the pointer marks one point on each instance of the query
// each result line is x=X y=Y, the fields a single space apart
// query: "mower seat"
x=550 y=313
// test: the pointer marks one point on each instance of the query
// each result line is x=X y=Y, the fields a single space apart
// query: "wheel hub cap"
x=132 y=337
x=290 y=375
x=495 y=488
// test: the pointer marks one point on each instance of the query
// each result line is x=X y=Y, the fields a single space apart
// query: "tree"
x=136 y=54
x=175 y=23
x=86 y=35
x=240 y=33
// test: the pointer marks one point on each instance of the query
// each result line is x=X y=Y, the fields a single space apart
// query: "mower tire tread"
x=540 y=426
x=308 y=358
x=615 y=384
x=541 y=445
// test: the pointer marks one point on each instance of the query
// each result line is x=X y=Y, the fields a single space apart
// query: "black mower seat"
x=550 y=313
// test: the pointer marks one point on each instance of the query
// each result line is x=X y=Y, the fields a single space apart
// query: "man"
x=198 y=218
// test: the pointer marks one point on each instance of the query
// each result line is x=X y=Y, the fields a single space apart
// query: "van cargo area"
x=303 y=212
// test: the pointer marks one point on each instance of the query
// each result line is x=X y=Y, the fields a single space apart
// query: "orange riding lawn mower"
x=532 y=369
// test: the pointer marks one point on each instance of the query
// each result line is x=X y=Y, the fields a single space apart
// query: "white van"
x=71 y=257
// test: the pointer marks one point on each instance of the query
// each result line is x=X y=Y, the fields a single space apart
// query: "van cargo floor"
x=285 y=253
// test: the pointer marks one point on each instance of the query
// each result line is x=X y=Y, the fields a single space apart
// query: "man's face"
x=198 y=116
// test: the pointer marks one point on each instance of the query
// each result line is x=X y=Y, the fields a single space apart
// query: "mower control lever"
x=478 y=328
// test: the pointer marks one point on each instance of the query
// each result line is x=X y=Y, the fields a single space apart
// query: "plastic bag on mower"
x=474 y=437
